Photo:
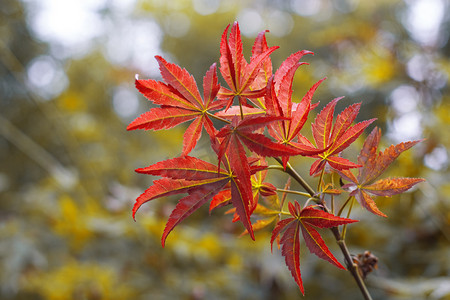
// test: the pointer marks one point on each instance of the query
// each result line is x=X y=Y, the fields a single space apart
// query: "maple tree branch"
x=62 y=175
x=352 y=268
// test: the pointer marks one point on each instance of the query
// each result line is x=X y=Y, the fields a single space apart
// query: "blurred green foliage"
x=66 y=161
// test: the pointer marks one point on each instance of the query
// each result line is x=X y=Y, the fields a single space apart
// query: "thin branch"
x=42 y=157
x=351 y=267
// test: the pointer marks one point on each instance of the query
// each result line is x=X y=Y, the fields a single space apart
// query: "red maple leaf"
x=230 y=140
x=334 y=138
x=278 y=102
x=201 y=181
x=265 y=101
x=259 y=188
x=242 y=131
x=305 y=220
x=238 y=74
x=374 y=163
x=270 y=212
x=265 y=71
x=180 y=101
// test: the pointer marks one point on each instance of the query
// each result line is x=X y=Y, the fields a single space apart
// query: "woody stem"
x=351 y=267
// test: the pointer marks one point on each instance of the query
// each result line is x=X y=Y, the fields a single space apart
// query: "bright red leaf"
x=334 y=138
x=279 y=103
x=266 y=214
x=363 y=187
x=201 y=181
x=234 y=135
x=242 y=132
x=180 y=101
x=305 y=220
x=259 y=47
x=238 y=74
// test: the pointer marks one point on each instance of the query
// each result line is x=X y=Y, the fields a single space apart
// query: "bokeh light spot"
x=70 y=23
x=404 y=99
x=306 y=8
x=206 y=7
x=46 y=77
x=423 y=20
x=125 y=102
x=280 y=23
x=250 y=22
x=406 y=127
x=177 y=24
x=437 y=159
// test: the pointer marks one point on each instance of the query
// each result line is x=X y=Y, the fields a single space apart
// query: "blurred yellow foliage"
x=350 y=29
x=73 y=221
x=153 y=225
x=71 y=102
x=441 y=112
x=75 y=280
x=378 y=67
x=169 y=140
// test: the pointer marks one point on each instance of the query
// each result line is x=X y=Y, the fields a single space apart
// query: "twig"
x=62 y=175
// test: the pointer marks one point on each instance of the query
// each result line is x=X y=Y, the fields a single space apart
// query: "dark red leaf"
x=187 y=205
x=305 y=220
x=364 y=186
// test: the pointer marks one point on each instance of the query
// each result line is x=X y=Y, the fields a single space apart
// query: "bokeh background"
x=67 y=183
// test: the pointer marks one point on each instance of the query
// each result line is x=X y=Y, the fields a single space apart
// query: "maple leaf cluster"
x=250 y=119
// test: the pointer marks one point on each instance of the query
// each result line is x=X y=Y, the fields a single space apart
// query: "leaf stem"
x=241 y=109
x=293 y=192
x=291 y=171
x=343 y=206
x=286 y=213
x=344 y=228
x=332 y=196
x=309 y=200
x=351 y=267
x=217 y=118
x=275 y=167
x=320 y=184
